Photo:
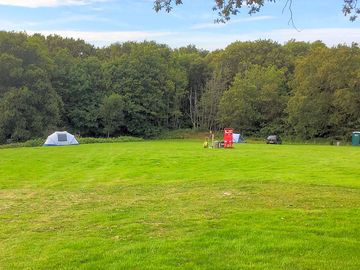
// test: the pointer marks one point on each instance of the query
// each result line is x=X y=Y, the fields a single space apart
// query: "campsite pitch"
x=175 y=205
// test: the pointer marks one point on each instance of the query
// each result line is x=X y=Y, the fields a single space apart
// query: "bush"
x=315 y=141
x=89 y=140
x=33 y=143
x=85 y=140
x=30 y=143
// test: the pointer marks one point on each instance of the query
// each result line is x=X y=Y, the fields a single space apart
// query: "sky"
x=103 y=22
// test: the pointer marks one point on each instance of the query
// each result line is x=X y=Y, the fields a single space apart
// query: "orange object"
x=228 y=138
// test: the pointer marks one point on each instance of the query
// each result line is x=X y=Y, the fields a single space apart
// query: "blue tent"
x=237 y=138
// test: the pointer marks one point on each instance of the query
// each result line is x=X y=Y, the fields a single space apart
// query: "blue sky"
x=102 y=22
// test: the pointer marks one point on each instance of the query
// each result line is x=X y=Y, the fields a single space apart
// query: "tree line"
x=298 y=89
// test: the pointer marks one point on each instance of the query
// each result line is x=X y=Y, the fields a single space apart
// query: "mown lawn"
x=175 y=205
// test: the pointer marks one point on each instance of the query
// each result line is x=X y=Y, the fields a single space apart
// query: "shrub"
x=89 y=140
x=84 y=140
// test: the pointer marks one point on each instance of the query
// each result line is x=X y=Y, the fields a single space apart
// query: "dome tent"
x=238 y=138
x=60 y=138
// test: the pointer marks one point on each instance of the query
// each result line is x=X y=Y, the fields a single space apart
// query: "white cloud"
x=46 y=3
x=23 y=25
x=330 y=36
x=106 y=38
x=213 y=25
x=212 y=41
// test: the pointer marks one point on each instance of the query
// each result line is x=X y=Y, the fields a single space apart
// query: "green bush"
x=315 y=141
x=84 y=140
x=30 y=143
x=89 y=140
x=33 y=143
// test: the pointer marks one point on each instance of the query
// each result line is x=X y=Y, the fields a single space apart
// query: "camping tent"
x=60 y=138
x=237 y=138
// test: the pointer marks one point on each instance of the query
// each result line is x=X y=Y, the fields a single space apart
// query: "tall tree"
x=112 y=113
x=255 y=103
x=83 y=98
x=26 y=113
x=16 y=115
x=210 y=100
x=151 y=84
x=239 y=56
x=325 y=98
x=198 y=72
x=11 y=72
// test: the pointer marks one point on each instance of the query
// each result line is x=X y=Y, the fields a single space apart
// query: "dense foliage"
x=299 y=89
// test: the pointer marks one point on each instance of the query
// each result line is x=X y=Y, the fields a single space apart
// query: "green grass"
x=175 y=205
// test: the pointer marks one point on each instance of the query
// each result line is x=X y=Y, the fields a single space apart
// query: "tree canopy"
x=297 y=89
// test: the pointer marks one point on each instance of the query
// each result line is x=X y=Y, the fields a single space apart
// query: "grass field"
x=175 y=205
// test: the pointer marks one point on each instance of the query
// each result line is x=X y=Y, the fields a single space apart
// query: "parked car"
x=273 y=139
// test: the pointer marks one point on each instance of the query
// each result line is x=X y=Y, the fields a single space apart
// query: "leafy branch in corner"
x=228 y=8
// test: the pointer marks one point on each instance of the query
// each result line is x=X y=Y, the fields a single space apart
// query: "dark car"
x=273 y=139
